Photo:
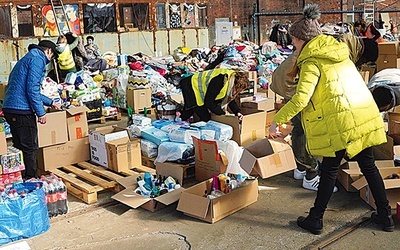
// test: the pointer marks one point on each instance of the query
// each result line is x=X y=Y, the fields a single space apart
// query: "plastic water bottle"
x=52 y=194
x=62 y=206
x=147 y=179
x=3 y=194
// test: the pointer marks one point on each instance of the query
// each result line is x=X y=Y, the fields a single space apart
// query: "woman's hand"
x=274 y=132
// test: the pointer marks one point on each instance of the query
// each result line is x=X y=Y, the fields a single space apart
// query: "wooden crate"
x=84 y=180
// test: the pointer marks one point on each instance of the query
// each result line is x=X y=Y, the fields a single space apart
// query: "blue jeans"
x=25 y=138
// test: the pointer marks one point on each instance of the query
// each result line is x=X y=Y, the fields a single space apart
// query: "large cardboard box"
x=267 y=158
x=54 y=131
x=123 y=154
x=138 y=99
x=250 y=129
x=64 y=154
x=208 y=160
x=194 y=204
x=133 y=200
x=392 y=187
x=387 y=61
x=3 y=86
x=77 y=123
x=266 y=104
x=389 y=48
x=98 y=139
x=384 y=151
x=179 y=171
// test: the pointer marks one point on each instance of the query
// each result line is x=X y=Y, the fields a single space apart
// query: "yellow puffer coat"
x=338 y=111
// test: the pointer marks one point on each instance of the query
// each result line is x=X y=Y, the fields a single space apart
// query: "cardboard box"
x=3 y=140
x=388 y=48
x=384 y=151
x=265 y=104
x=123 y=154
x=98 y=139
x=194 y=204
x=251 y=129
x=68 y=153
x=77 y=123
x=267 y=158
x=392 y=187
x=54 y=131
x=387 y=61
x=3 y=87
x=208 y=160
x=94 y=109
x=179 y=171
x=138 y=99
x=133 y=200
x=370 y=69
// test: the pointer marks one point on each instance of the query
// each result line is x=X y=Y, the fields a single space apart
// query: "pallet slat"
x=90 y=177
x=81 y=184
x=100 y=171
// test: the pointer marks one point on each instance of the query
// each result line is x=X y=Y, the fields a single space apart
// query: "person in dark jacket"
x=23 y=101
x=211 y=91
x=385 y=88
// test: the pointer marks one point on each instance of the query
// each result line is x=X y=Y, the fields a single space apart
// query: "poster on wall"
x=68 y=22
x=99 y=18
x=175 y=20
x=188 y=15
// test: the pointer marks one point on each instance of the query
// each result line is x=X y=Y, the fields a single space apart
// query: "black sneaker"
x=385 y=222
x=312 y=225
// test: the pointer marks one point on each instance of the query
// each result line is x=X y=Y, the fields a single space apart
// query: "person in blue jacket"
x=23 y=101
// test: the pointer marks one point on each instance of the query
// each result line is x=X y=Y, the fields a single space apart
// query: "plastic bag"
x=172 y=151
x=23 y=217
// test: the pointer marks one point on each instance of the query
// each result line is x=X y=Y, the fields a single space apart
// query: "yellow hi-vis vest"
x=65 y=59
x=201 y=80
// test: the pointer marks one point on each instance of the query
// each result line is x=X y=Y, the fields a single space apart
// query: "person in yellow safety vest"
x=211 y=91
x=66 y=61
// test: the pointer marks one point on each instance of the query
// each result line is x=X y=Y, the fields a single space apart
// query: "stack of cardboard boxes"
x=388 y=55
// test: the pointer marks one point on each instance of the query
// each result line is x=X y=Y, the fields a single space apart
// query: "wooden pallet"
x=84 y=180
x=103 y=119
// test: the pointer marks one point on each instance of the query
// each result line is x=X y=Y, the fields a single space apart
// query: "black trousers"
x=25 y=138
x=329 y=169
x=202 y=112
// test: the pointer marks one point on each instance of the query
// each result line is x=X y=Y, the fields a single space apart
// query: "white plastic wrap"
x=183 y=135
x=136 y=131
x=171 y=151
x=233 y=153
x=149 y=149
x=140 y=120
x=223 y=132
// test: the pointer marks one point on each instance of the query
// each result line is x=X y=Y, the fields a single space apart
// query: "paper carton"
x=138 y=99
x=123 y=154
x=392 y=187
x=266 y=104
x=387 y=61
x=176 y=170
x=131 y=199
x=194 y=204
x=77 y=123
x=98 y=139
x=267 y=158
x=389 y=48
x=208 y=160
x=54 y=131
x=64 y=154
x=250 y=129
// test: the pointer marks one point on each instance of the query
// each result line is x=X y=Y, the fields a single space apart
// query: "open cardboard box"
x=133 y=200
x=177 y=170
x=77 y=123
x=250 y=129
x=267 y=158
x=194 y=204
x=208 y=159
x=392 y=187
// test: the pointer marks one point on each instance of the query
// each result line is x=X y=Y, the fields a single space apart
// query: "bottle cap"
x=177 y=186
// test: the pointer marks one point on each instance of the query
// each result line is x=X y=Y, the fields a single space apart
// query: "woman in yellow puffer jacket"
x=339 y=116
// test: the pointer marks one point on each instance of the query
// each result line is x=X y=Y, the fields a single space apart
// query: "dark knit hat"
x=307 y=27
x=49 y=44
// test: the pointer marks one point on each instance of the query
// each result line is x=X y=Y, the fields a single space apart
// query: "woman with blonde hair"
x=212 y=91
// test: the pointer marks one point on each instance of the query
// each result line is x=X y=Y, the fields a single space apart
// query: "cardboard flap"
x=279 y=145
x=77 y=110
x=130 y=198
x=119 y=142
x=247 y=161
x=260 y=148
x=170 y=197
x=360 y=183
x=129 y=181
x=205 y=149
x=193 y=204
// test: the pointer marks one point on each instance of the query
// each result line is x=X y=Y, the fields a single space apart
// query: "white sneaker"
x=299 y=175
x=314 y=183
